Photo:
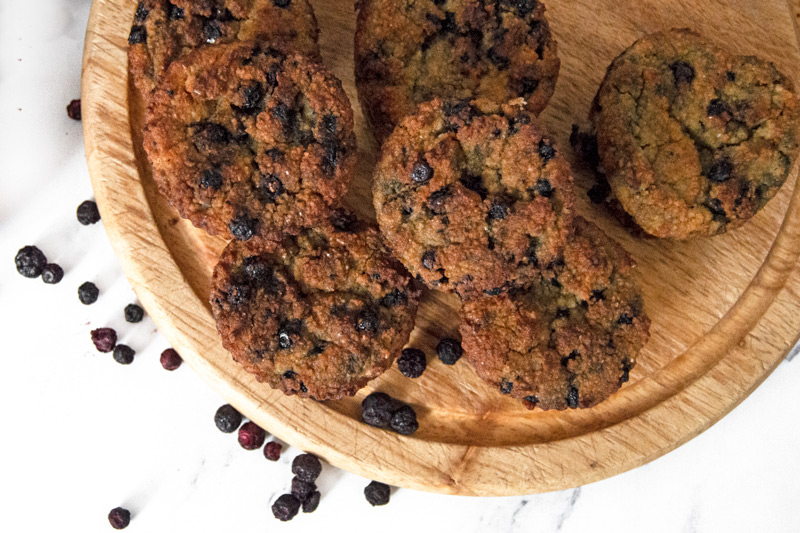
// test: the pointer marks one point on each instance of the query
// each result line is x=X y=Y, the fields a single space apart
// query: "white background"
x=82 y=434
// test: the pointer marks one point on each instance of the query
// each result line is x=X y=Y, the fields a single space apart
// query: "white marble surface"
x=82 y=434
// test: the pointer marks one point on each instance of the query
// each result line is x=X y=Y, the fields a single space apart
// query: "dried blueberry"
x=270 y=188
x=506 y=386
x=238 y=295
x=498 y=211
x=119 y=518
x=251 y=436
x=546 y=151
x=30 y=261
x=170 y=359
x=138 y=35
x=377 y=409
x=345 y=221
x=404 y=420
x=422 y=171
x=302 y=489
x=243 y=227
x=437 y=199
x=227 y=419
x=174 y=12
x=429 y=259
x=211 y=179
x=104 y=339
x=377 y=493
x=133 y=313
x=449 y=351
x=721 y=171
x=252 y=96
x=87 y=213
x=312 y=502
x=285 y=507
x=282 y=3
x=287 y=330
x=272 y=450
x=572 y=397
x=368 y=321
x=525 y=7
x=306 y=467
x=682 y=72
x=396 y=297
x=625 y=318
x=412 y=362
x=543 y=188
x=211 y=31
x=52 y=273
x=717 y=107
x=141 y=12
x=88 y=293
x=74 y=109
x=123 y=354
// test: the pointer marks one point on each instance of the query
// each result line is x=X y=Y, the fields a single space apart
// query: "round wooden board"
x=724 y=310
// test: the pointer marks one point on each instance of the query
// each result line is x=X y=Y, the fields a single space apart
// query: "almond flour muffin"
x=247 y=140
x=317 y=315
x=411 y=51
x=693 y=140
x=568 y=339
x=473 y=196
x=164 y=31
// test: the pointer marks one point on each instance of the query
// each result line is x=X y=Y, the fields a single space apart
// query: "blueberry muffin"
x=411 y=51
x=692 y=139
x=318 y=314
x=248 y=140
x=568 y=339
x=473 y=195
x=164 y=31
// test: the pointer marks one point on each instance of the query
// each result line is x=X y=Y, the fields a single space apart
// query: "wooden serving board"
x=724 y=310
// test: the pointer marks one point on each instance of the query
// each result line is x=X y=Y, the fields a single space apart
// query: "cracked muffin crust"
x=317 y=315
x=568 y=339
x=692 y=140
x=248 y=141
x=410 y=51
x=473 y=195
x=164 y=31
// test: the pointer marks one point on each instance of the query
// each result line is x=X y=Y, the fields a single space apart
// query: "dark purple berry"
x=170 y=359
x=717 y=107
x=306 y=467
x=88 y=293
x=123 y=354
x=422 y=171
x=682 y=72
x=498 y=211
x=506 y=387
x=227 y=419
x=211 y=31
x=251 y=436
x=572 y=398
x=412 y=362
x=270 y=188
x=429 y=259
x=272 y=450
x=302 y=489
x=74 y=109
x=175 y=12
x=134 y=313
x=377 y=493
x=721 y=171
x=30 y=261
x=543 y=187
x=104 y=339
x=449 y=351
x=141 y=13
x=396 y=297
x=404 y=420
x=377 y=409
x=546 y=151
x=211 y=179
x=243 y=227
x=368 y=321
x=282 y=3
x=285 y=507
x=119 y=518
x=138 y=35
x=312 y=502
x=87 y=213
x=344 y=221
x=52 y=273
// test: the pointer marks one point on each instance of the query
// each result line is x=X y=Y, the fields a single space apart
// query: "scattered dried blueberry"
x=449 y=351
x=227 y=419
x=119 y=518
x=88 y=293
x=682 y=72
x=170 y=359
x=104 y=339
x=377 y=409
x=302 y=489
x=312 y=502
x=285 y=507
x=30 y=261
x=123 y=354
x=412 y=362
x=306 y=467
x=422 y=171
x=404 y=420
x=87 y=213
x=134 y=313
x=272 y=450
x=377 y=493
x=74 y=109
x=251 y=437
x=52 y=273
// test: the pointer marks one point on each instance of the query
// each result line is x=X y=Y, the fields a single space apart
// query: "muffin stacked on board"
x=251 y=137
x=476 y=199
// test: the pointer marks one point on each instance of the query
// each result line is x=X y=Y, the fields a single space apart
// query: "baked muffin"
x=410 y=51
x=248 y=140
x=318 y=314
x=568 y=339
x=693 y=140
x=473 y=196
x=164 y=31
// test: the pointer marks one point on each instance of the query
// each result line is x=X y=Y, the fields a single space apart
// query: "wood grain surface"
x=724 y=310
